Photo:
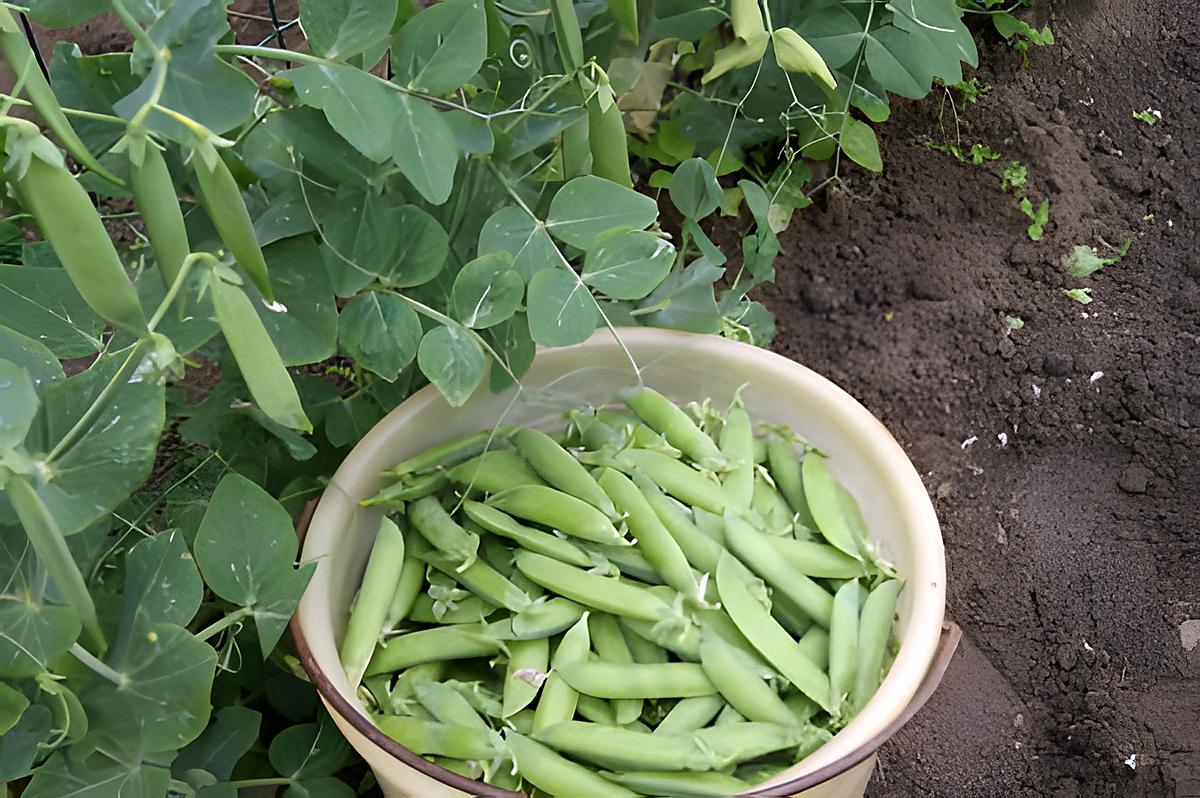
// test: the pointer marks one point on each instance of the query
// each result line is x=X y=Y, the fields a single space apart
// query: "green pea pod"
x=69 y=221
x=445 y=739
x=874 y=631
x=535 y=540
x=613 y=680
x=436 y=526
x=471 y=609
x=450 y=453
x=51 y=547
x=557 y=775
x=755 y=550
x=223 y=200
x=681 y=785
x=690 y=714
x=843 y=642
x=785 y=470
x=559 y=468
x=557 y=510
x=374 y=596
x=653 y=539
x=737 y=444
x=408 y=587
x=559 y=699
x=737 y=679
x=154 y=193
x=667 y=418
x=732 y=743
x=699 y=549
x=623 y=749
x=793 y=54
x=261 y=366
x=546 y=618
x=447 y=705
x=814 y=644
x=21 y=57
x=825 y=502
x=568 y=34
x=675 y=477
x=527 y=665
x=396 y=494
x=818 y=559
x=494 y=471
x=601 y=592
x=607 y=140
x=481 y=579
x=610 y=644
x=431 y=645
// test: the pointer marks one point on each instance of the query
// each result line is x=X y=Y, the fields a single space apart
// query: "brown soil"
x=1074 y=550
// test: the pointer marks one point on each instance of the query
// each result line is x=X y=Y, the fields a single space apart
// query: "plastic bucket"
x=865 y=457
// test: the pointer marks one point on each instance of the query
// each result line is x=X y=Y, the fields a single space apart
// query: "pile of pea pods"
x=661 y=601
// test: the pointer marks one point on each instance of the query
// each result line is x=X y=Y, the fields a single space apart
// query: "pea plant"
x=248 y=254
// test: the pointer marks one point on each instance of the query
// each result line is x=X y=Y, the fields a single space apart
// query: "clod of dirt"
x=1189 y=635
x=1134 y=478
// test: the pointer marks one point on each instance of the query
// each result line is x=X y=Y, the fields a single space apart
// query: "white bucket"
x=685 y=367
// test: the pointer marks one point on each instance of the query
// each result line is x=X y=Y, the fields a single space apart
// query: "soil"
x=1074 y=549
x=1063 y=456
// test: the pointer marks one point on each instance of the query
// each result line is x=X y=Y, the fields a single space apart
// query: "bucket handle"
x=951 y=635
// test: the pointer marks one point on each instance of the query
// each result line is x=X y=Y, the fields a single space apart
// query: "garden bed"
x=1073 y=552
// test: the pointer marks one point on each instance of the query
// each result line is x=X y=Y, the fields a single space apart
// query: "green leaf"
x=18 y=404
x=44 y=305
x=19 y=746
x=96 y=777
x=1084 y=260
x=512 y=230
x=425 y=148
x=13 y=704
x=251 y=570
x=162 y=700
x=401 y=245
x=115 y=456
x=310 y=750
x=65 y=13
x=360 y=108
x=302 y=136
x=694 y=188
x=442 y=47
x=91 y=83
x=43 y=367
x=306 y=331
x=222 y=744
x=33 y=634
x=162 y=584
x=859 y=143
x=453 y=361
x=350 y=420
x=339 y=29
x=381 y=331
x=512 y=342
x=628 y=265
x=737 y=54
x=688 y=299
x=905 y=62
x=472 y=133
x=562 y=311
x=1081 y=295
x=487 y=291
x=285 y=217
x=939 y=22
x=588 y=206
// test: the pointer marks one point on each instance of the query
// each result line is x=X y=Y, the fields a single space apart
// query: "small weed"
x=1150 y=116
x=1084 y=260
x=975 y=154
x=1014 y=322
x=970 y=90
x=1081 y=295
x=1014 y=176
x=1038 y=218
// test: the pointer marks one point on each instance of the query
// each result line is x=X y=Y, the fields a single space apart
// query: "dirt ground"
x=1074 y=550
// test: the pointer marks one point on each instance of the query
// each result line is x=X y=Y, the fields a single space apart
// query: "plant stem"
x=223 y=624
x=278 y=781
x=93 y=412
x=95 y=665
x=138 y=32
x=173 y=291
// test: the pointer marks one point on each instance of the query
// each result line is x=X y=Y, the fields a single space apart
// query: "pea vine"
x=289 y=242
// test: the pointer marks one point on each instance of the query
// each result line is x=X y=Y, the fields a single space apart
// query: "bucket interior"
x=685 y=367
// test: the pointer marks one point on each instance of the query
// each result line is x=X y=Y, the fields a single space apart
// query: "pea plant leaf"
x=19 y=402
x=562 y=311
x=425 y=148
x=381 y=331
x=860 y=145
x=305 y=330
x=588 y=206
x=95 y=777
x=161 y=699
x=487 y=291
x=310 y=750
x=453 y=361
x=161 y=582
x=339 y=29
x=694 y=188
x=360 y=108
x=218 y=748
x=40 y=363
x=512 y=342
x=65 y=13
x=442 y=47
x=21 y=745
x=514 y=231
x=44 y=305
x=115 y=455
x=251 y=570
x=687 y=299
x=628 y=265
x=33 y=635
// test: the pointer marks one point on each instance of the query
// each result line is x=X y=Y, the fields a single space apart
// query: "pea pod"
x=843 y=642
x=732 y=743
x=814 y=644
x=737 y=444
x=601 y=592
x=69 y=221
x=699 y=549
x=441 y=531
x=754 y=549
x=739 y=683
x=766 y=635
x=559 y=698
x=528 y=662
x=557 y=775
x=535 y=540
x=481 y=579
x=653 y=539
x=623 y=749
x=557 y=510
x=785 y=470
x=24 y=63
x=445 y=739
x=607 y=140
x=681 y=785
x=408 y=587
x=770 y=506
x=821 y=492
x=874 y=631
x=154 y=193
x=493 y=472
x=223 y=200
x=256 y=356
x=430 y=645
x=665 y=417
x=690 y=714
x=374 y=596
x=817 y=559
x=596 y=710
x=546 y=618
x=471 y=609
x=451 y=453
x=555 y=464
x=675 y=477
x=610 y=644
x=612 y=680
x=447 y=705
x=396 y=494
